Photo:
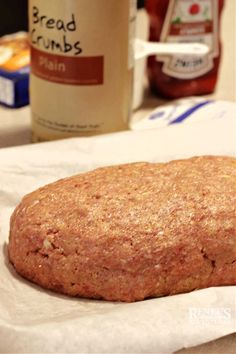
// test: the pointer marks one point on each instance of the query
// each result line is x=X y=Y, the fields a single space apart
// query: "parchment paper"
x=33 y=320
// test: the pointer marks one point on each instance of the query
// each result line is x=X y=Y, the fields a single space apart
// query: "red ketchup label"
x=188 y=21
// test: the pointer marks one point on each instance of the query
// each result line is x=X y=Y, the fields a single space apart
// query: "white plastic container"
x=142 y=30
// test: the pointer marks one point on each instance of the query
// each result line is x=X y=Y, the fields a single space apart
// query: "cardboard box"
x=14 y=70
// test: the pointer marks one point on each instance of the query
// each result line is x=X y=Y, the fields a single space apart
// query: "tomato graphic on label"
x=194 y=9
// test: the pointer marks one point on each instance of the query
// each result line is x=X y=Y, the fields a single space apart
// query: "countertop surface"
x=15 y=123
x=15 y=130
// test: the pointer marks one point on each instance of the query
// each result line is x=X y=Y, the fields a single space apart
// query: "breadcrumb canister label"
x=67 y=70
x=81 y=66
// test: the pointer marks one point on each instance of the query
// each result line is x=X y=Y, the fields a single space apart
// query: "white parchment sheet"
x=33 y=320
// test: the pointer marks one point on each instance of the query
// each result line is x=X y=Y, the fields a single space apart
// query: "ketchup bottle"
x=180 y=21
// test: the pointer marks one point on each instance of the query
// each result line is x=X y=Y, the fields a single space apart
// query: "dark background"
x=141 y=3
x=13 y=15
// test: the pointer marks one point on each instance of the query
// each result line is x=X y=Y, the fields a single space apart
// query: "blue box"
x=14 y=70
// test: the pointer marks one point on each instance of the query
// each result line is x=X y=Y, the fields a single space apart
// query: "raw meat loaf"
x=132 y=231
